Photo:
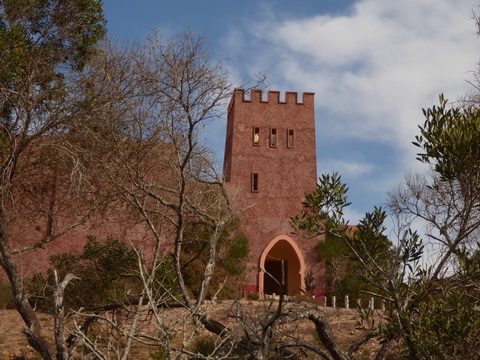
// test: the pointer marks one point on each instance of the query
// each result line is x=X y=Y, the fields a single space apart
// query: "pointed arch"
x=283 y=247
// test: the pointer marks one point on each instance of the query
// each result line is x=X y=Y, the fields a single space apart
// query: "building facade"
x=269 y=165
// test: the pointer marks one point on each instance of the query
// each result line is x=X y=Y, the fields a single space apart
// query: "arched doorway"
x=281 y=252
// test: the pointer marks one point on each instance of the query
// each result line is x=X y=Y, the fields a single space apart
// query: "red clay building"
x=270 y=163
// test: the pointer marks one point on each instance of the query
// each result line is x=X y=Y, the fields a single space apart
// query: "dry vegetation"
x=343 y=322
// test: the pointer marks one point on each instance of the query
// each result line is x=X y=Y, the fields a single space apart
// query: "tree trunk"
x=326 y=336
x=59 y=315
x=33 y=331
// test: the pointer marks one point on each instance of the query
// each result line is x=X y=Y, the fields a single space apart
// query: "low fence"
x=332 y=301
x=371 y=304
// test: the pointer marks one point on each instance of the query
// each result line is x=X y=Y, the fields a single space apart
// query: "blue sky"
x=373 y=65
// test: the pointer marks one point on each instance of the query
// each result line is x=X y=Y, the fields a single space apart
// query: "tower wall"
x=270 y=163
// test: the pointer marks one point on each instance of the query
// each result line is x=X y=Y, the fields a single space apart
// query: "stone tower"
x=270 y=163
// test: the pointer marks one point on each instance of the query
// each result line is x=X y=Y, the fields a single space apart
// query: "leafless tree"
x=41 y=170
x=161 y=166
x=150 y=104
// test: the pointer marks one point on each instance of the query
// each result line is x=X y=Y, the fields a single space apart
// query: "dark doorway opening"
x=274 y=268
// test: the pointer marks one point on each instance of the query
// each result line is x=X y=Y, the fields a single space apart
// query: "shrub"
x=106 y=271
x=6 y=296
x=232 y=253
x=107 y=275
x=204 y=346
x=160 y=354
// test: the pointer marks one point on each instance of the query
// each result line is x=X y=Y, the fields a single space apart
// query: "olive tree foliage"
x=447 y=200
x=431 y=307
x=342 y=266
x=379 y=262
x=43 y=43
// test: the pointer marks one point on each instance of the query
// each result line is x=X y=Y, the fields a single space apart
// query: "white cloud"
x=379 y=64
x=351 y=168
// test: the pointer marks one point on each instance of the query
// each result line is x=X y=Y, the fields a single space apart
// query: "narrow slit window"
x=273 y=137
x=256 y=136
x=290 y=138
x=254 y=182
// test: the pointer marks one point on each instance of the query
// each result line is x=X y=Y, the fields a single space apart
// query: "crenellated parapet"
x=272 y=97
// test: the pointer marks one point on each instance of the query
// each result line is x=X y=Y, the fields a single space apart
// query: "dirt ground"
x=13 y=344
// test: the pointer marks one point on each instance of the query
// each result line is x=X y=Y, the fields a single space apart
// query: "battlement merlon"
x=256 y=96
